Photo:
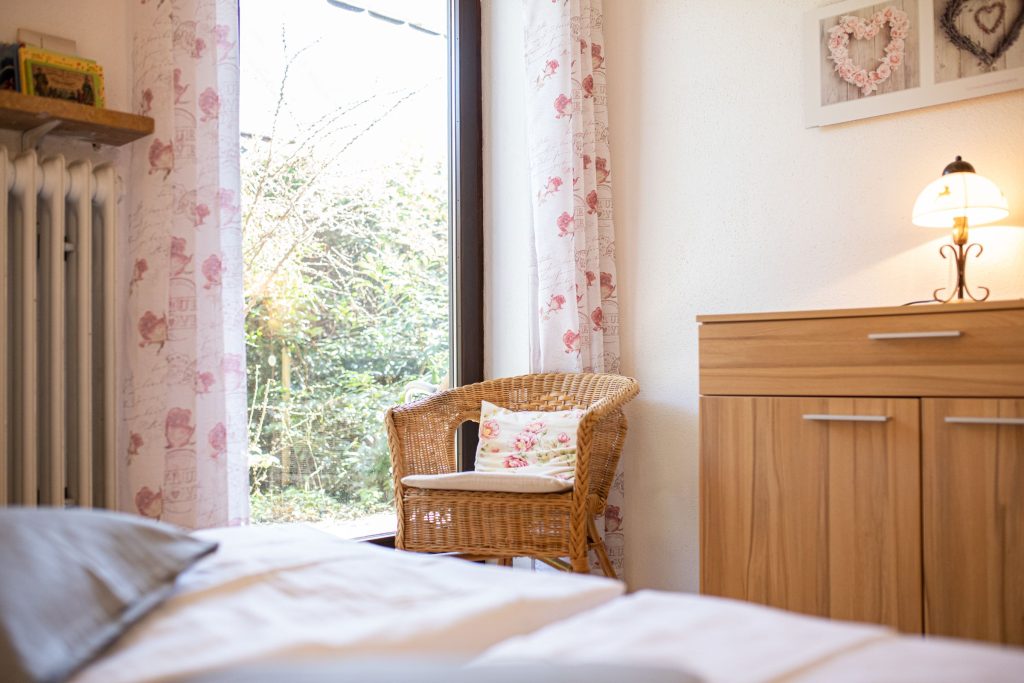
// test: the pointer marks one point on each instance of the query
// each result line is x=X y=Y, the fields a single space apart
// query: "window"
x=362 y=240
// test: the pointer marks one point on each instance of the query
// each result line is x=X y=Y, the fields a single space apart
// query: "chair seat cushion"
x=502 y=482
x=527 y=442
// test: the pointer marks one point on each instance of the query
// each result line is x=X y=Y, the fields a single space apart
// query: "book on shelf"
x=60 y=76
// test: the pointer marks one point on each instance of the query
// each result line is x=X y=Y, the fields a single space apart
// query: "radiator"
x=57 y=341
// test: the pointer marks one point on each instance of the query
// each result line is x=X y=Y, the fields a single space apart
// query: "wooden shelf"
x=101 y=126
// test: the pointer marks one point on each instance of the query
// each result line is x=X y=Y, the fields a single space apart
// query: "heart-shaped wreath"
x=866 y=29
x=948 y=23
x=997 y=10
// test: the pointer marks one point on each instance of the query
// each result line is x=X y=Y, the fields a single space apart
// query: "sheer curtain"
x=575 y=289
x=184 y=456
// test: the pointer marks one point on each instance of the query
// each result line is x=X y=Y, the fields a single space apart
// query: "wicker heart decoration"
x=999 y=8
x=988 y=58
x=866 y=29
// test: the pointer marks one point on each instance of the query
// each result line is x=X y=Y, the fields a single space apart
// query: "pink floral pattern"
x=152 y=330
x=179 y=259
x=218 y=440
x=135 y=444
x=566 y=224
x=515 y=461
x=524 y=441
x=147 y=102
x=530 y=442
x=554 y=305
x=490 y=429
x=563 y=106
x=161 y=157
x=184 y=370
x=209 y=103
x=203 y=382
x=149 y=503
x=571 y=340
x=574 y=237
x=864 y=78
x=213 y=266
x=552 y=186
x=179 y=88
x=565 y=53
x=138 y=272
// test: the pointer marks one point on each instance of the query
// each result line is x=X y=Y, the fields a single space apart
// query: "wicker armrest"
x=596 y=467
x=420 y=436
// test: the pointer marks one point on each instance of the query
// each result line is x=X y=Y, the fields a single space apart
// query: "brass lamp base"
x=959 y=251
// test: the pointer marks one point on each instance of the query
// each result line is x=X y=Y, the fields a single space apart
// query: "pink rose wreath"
x=866 y=29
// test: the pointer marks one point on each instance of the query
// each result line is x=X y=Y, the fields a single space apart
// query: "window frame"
x=465 y=197
x=466 y=215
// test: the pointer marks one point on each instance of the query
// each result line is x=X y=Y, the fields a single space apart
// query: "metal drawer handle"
x=848 y=418
x=876 y=336
x=1018 y=421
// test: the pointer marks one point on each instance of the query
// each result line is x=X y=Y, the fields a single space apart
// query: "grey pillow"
x=71 y=581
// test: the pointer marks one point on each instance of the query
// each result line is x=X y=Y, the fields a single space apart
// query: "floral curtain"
x=184 y=451
x=575 y=289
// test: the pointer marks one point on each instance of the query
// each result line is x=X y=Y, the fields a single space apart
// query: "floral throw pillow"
x=529 y=442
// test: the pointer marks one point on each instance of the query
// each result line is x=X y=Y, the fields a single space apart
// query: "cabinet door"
x=805 y=510
x=973 y=514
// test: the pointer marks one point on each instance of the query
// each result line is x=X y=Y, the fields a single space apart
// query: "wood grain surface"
x=973 y=519
x=836 y=357
x=101 y=126
x=811 y=516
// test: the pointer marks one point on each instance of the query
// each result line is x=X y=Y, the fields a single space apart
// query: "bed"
x=292 y=603
x=728 y=641
x=292 y=593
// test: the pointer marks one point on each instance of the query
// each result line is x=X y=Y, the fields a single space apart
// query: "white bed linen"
x=282 y=593
x=727 y=641
x=907 y=659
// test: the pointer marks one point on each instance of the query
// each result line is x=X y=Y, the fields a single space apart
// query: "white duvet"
x=286 y=593
x=726 y=641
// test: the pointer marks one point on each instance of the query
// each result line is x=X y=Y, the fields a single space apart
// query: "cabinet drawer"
x=947 y=353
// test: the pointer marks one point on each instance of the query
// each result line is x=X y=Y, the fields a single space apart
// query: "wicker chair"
x=482 y=524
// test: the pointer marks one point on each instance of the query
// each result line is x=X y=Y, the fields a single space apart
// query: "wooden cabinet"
x=973 y=517
x=832 y=483
x=819 y=501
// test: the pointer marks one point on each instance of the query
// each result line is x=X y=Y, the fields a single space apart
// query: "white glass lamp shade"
x=956 y=195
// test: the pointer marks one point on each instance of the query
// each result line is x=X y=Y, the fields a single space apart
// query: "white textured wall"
x=725 y=203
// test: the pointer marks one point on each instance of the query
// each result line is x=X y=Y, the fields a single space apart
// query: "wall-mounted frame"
x=865 y=59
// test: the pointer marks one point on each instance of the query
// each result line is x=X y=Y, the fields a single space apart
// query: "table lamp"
x=958 y=197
